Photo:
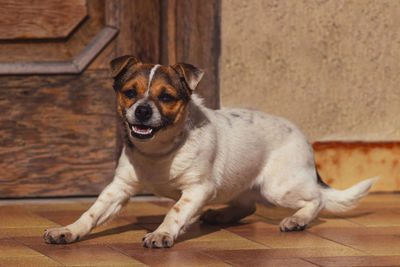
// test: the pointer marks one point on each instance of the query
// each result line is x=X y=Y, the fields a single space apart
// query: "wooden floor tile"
x=168 y=257
x=22 y=216
x=54 y=205
x=356 y=261
x=11 y=248
x=219 y=244
x=366 y=236
x=273 y=238
x=256 y=258
x=25 y=231
x=378 y=218
x=40 y=260
x=372 y=240
x=284 y=253
x=85 y=255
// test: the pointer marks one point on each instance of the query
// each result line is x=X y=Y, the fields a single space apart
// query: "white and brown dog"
x=177 y=148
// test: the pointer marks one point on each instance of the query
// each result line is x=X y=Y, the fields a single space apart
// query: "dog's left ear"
x=189 y=73
x=120 y=63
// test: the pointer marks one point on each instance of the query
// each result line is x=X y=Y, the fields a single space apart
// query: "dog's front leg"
x=182 y=214
x=108 y=204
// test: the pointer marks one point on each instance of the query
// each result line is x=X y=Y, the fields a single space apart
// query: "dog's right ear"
x=120 y=63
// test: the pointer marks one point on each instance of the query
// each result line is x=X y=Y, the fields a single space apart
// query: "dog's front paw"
x=292 y=224
x=158 y=240
x=59 y=236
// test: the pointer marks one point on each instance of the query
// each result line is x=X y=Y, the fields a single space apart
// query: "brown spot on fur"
x=176 y=209
x=91 y=215
x=109 y=194
x=176 y=221
x=186 y=200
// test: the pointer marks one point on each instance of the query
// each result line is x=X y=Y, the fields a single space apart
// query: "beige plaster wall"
x=332 y=67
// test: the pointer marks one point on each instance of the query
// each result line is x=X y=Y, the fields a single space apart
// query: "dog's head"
x=152 y=98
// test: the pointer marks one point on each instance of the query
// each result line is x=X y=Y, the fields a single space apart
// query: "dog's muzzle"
x=141 y=129
x=143 y=113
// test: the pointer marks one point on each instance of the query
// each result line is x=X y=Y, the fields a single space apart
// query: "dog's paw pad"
x=59 y=236
x=292 y=224
x=157 y=240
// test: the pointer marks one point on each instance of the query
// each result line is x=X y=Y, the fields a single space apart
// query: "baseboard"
x=342 y=164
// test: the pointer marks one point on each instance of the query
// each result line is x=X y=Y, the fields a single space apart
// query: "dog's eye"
x=166 y=98
x=131 y=93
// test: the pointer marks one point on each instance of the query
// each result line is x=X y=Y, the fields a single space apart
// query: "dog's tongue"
x=141 y=130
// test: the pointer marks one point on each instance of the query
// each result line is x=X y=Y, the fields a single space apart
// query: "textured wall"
x=332 y=67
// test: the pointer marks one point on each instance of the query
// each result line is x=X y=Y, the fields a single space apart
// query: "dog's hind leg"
x=236 y=210
x=289 y=180
x=299 y=220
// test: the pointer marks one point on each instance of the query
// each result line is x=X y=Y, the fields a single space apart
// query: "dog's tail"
x=343 y=200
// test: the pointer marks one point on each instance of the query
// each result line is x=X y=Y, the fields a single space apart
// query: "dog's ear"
x=189 y=73
x=120 y=63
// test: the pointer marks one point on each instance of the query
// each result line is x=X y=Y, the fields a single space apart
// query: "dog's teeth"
x=142 y=131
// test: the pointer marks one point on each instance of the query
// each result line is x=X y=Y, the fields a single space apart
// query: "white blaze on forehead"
x=152 y=71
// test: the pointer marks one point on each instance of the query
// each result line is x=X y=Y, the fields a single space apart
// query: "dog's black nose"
x=143 y=112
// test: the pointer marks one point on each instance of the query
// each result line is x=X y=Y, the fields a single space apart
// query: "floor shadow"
x=113 y=231
x=199 y=229
x=320 y=218
x=140 y=223
x=150 y=223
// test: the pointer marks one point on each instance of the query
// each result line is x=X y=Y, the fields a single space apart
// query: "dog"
x=177 y=148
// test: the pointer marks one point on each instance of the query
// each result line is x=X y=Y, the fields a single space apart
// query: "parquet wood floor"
x=366 y=236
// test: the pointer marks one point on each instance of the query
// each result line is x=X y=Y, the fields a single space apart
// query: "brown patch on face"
x=176 y=209
x=91 y=215
x=176 y=221
x=139 y=85
x=186 y=200
x=163 y=86
x=109 y=194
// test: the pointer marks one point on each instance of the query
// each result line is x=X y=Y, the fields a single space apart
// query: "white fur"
x=232 y=156
x=152 y=71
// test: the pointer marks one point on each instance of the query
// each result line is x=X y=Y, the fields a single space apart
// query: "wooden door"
x=58 y=125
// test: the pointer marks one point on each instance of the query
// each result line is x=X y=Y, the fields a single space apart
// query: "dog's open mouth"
x=143 y=131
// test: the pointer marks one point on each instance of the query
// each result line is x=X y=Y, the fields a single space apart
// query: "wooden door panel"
x=58 y=130
x=45 y=19
x=58 y=134
x=61 y=51
x=191 y=33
